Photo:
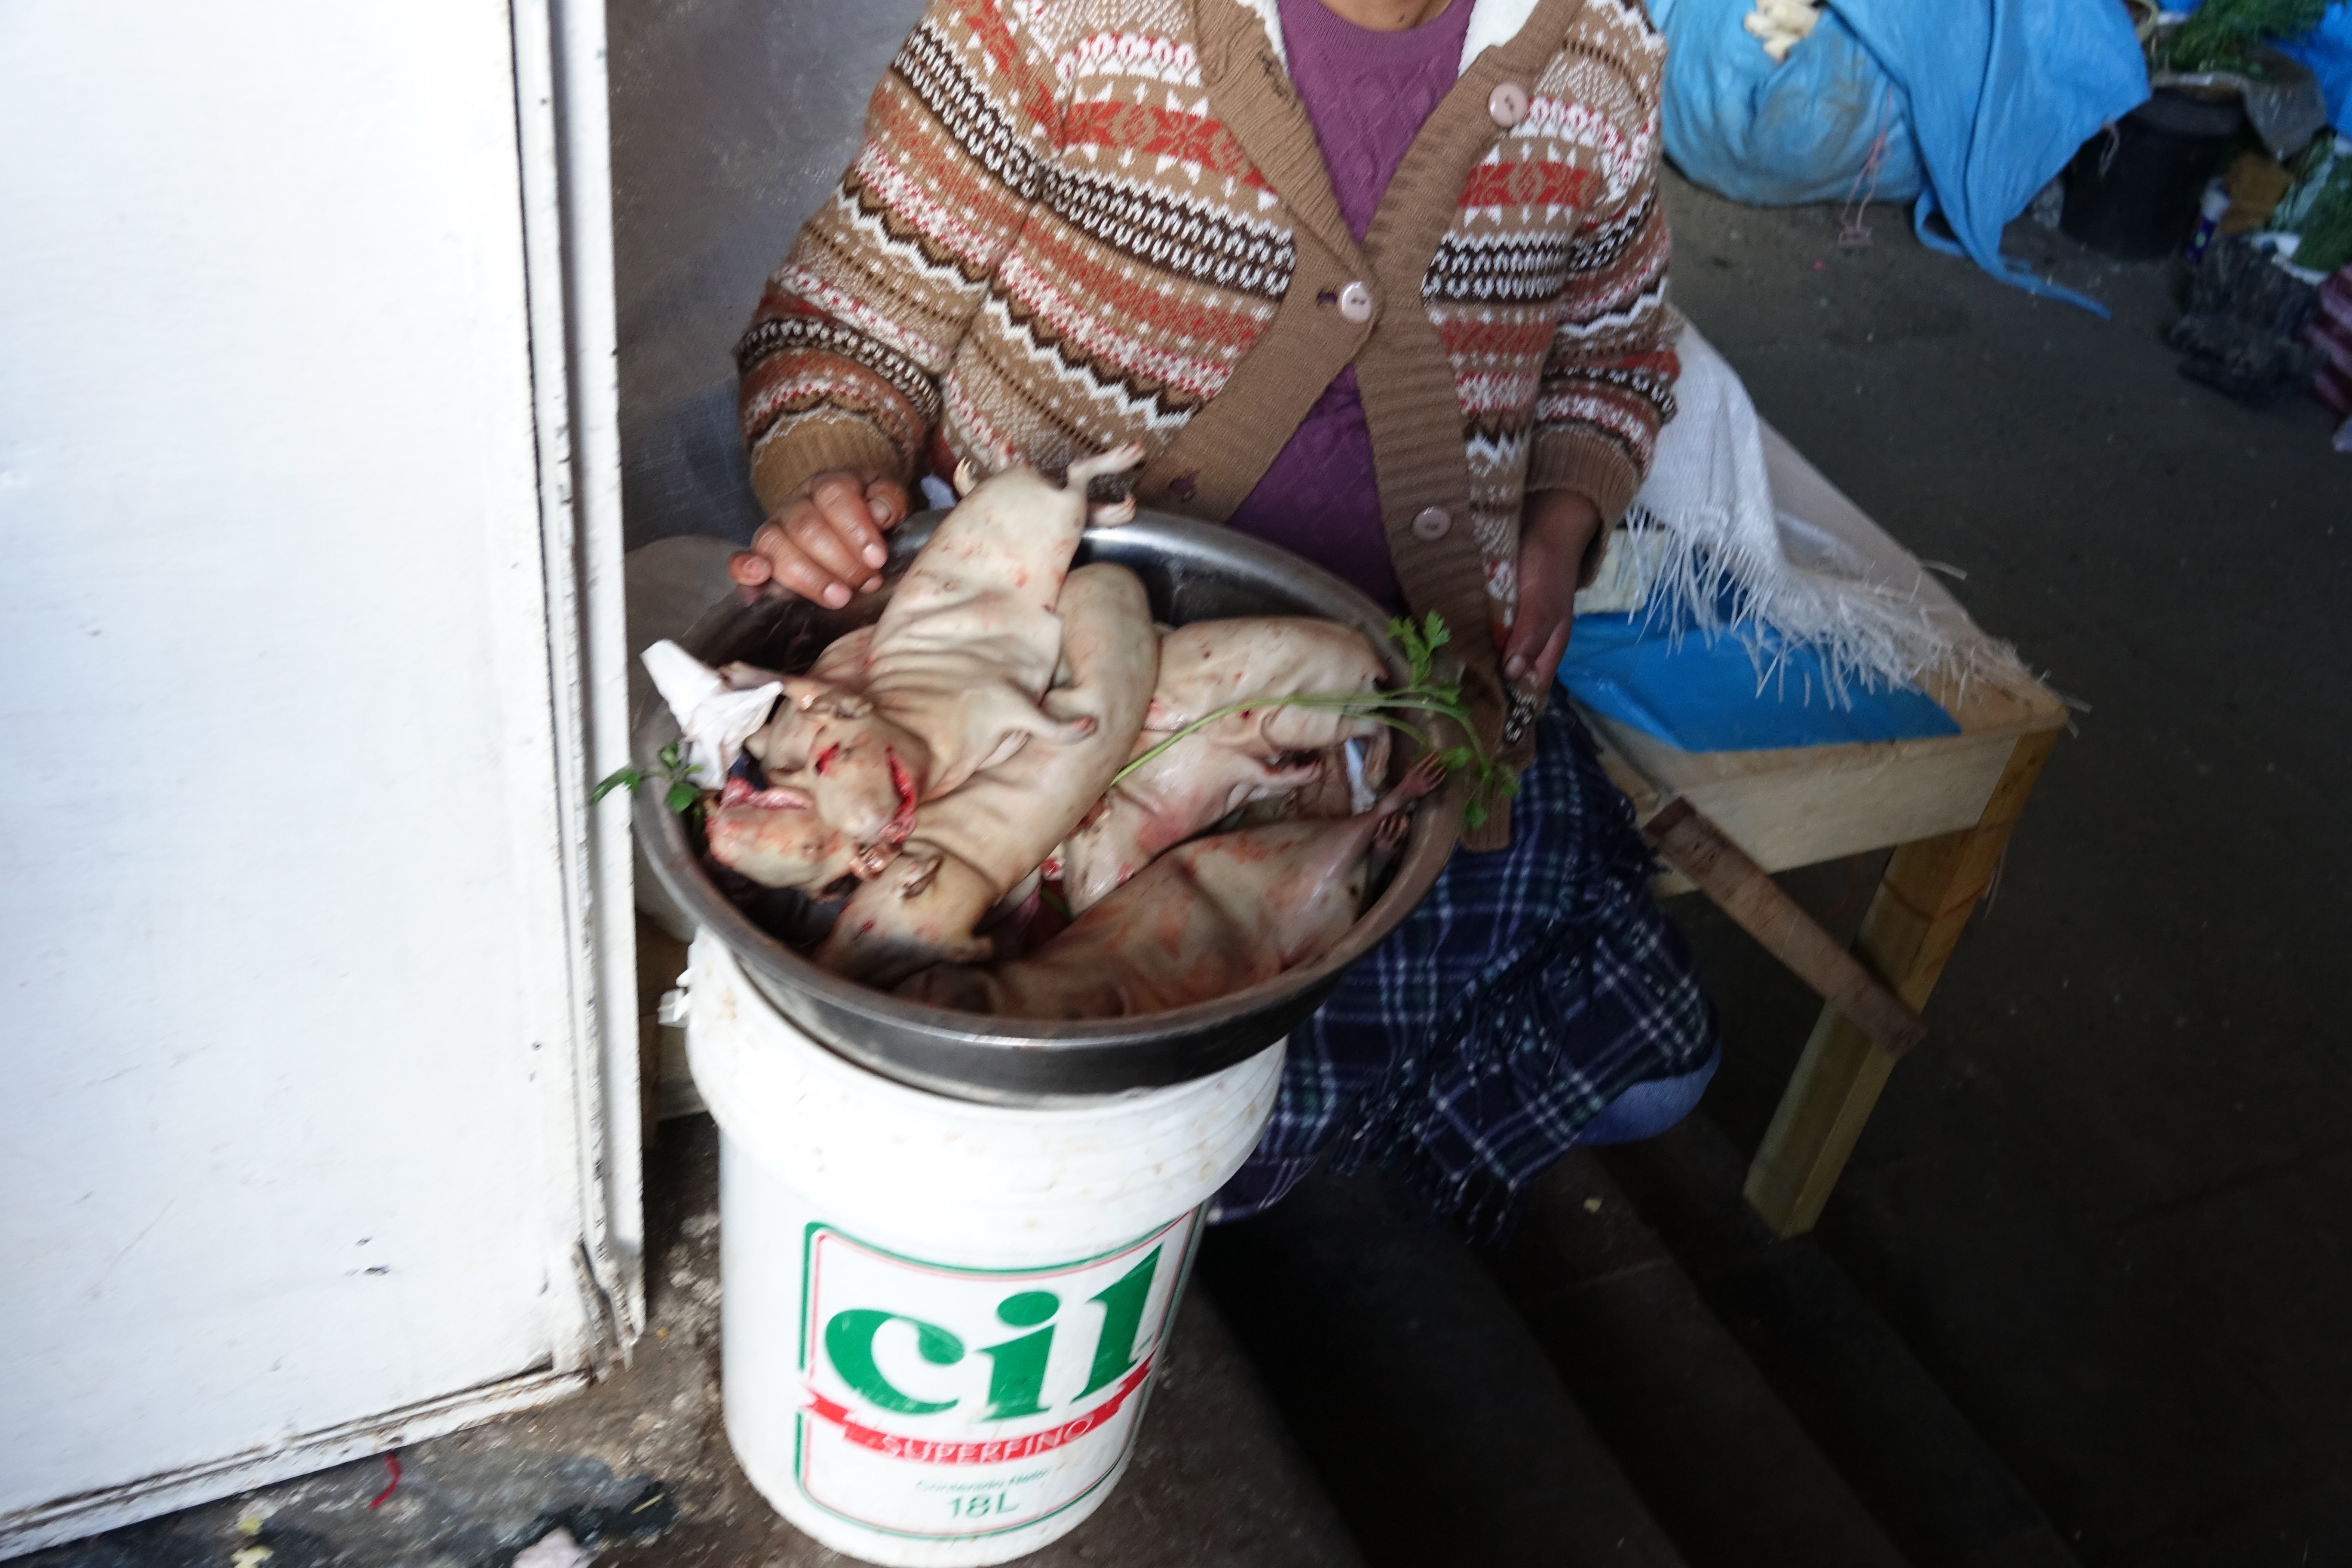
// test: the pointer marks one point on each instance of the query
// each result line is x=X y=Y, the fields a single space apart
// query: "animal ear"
x=741 y=677
x=804 y=692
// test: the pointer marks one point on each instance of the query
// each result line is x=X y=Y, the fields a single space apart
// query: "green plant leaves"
x=682 y=792
x=619 y=778
x=2223 y=34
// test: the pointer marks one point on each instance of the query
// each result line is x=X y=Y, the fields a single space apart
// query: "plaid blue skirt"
x=1532 y=986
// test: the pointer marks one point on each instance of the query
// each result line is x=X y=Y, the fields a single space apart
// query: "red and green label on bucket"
x=947 y=1401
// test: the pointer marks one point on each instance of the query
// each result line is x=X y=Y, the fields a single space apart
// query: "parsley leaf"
x=619 y=778
x=682 y=792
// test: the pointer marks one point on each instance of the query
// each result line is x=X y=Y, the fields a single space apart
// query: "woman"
x=1381 y=281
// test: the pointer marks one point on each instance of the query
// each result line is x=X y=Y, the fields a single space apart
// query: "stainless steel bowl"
x=1192 y=572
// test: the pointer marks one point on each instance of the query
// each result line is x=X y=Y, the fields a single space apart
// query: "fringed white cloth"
x=1707 y=550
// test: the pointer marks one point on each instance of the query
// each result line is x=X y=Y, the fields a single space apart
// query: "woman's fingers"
x=1553 y=537
x=1546 y=662
x=826 y=542
x=1539 y=638
x=1551 y=551
x=888 y=503
x=749 y=568
x=1539 y=631
x=831 y=528
x=854 y=549
x=776 y=558
x=1538 y=643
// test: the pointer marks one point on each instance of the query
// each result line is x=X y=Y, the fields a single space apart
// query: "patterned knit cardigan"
x=1075 y=223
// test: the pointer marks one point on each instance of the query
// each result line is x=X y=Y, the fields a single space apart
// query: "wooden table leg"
x=1913 y=924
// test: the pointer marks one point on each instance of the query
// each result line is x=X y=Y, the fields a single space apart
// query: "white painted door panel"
x=292 y=1130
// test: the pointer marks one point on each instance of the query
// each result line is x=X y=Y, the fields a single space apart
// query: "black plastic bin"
x=2135 y=193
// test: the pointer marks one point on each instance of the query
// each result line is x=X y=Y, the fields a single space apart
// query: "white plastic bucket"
x=941 y=1318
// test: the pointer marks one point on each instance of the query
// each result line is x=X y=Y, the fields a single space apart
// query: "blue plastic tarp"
x=1720 y=694
x=1772 y=135
x=2003 y=92
x=1997 y=95
x=2327 y=50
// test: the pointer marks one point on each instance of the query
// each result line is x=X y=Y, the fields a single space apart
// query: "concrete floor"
x=2105 y=1205
x=639 y=1467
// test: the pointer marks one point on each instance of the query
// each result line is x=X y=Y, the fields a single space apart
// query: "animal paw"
x=922 y=870
x=1422 y=777
x=1117 y=461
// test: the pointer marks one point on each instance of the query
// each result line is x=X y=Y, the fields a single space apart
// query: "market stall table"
x=1946 y=805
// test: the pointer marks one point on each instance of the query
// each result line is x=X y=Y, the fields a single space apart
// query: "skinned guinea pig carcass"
x=1253 y=756
x=774 y=836
x=1166 y=801
x=1210 y=665
x=973 y=847
x=1206 y=919
x=955 y=668
x=843 y=662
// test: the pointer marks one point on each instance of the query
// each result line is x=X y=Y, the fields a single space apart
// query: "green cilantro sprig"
x=2224 y=35
x=675 y=772
x=1422 y=693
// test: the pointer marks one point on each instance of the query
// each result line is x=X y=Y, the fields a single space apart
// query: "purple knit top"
x=1366 y=94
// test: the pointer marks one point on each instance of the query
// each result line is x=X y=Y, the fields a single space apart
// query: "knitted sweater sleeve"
x=842 y=364
x=1608 y=381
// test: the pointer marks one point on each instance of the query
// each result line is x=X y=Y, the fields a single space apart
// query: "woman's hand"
x=826 y=541
x=1555 y=532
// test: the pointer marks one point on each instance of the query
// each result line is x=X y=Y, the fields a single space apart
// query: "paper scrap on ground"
x=556 y=1549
